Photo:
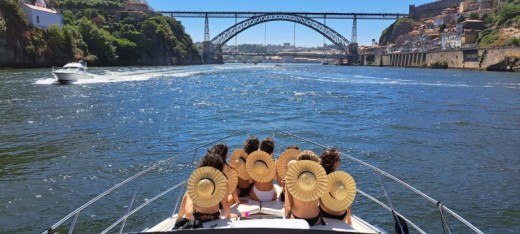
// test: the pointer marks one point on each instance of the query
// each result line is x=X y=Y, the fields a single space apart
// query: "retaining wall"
x=463 y=59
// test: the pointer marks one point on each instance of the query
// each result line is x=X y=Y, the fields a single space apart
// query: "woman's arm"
x=227 y=210
x=182 y=209
x=288 y=202
x=348 y=217
x=235 y=197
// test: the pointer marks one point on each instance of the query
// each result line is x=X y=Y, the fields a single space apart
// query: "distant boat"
x=278 y=65
x=323 y=62
x=72 y=72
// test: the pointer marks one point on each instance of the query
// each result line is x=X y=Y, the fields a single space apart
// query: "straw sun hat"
x=232 y=178
x=260 y=166
x=341 y=191
x=238 y=161
x=283 y=161
x=207 y=186
x=306 y=180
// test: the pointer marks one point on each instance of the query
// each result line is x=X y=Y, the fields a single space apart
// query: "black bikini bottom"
x=310 y=221
x=327 y=215
x=206 y=217
x=244 y=191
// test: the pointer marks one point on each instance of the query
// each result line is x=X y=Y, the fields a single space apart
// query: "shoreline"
x=504 y=59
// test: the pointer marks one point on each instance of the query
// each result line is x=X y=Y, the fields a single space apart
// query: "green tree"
x=442 y=27
x=74 y=41
x=461 y=19
x=473 y=16
x=99 y=41
x=3 y=27
x=507 y=12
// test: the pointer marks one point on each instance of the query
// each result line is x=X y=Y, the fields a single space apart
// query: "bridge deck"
x=313 y=15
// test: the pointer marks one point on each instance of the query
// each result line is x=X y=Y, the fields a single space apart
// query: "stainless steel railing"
x=122 y=220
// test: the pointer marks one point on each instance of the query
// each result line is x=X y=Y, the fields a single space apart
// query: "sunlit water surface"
x=453 y=134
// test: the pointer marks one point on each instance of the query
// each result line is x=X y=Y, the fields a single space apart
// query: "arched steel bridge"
x=321 y=28
x=304 y=18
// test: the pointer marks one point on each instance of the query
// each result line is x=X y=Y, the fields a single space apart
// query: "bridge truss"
x=312 y=15
x=305 y=18
x=321 y=28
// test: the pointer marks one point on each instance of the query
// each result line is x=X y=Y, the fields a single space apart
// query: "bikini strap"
x=321 y=219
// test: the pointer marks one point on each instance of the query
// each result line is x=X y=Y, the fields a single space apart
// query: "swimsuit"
x=205 y=217
x=264 y=196
x=244 y=191
x=327 y=215
x=310 y=221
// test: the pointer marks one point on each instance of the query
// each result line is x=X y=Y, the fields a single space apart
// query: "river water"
x=453 y=134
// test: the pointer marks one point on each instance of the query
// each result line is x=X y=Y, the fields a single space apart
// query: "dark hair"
x=293 y=147
x=267 y=145
x=308 y=155
x=251 y=144
x=328 y=158
x=212 y=160
x=220 y=149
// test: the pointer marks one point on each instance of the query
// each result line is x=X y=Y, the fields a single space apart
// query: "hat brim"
x=283 y=160
x=219 y=182
x=232 y=178
x=348 y=182
x=306 y=194
x=265 y=175
x=241 y=171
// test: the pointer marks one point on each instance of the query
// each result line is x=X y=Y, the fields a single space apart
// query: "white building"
x=42 y=17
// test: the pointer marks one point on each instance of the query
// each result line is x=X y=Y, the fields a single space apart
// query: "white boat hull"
x=67 y=76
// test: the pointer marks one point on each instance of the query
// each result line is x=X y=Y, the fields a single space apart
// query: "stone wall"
x=461 y=59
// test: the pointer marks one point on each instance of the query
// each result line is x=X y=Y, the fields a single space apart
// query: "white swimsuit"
x=264 y=196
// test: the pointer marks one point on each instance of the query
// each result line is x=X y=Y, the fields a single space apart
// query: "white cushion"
x=271 y=223
x=273 y=208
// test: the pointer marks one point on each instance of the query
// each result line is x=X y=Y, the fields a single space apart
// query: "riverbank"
x=490 y=59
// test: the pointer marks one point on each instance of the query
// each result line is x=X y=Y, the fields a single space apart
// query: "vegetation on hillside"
x=507 y=16
x=3 y=27
x=94 y=32
x=399 y=27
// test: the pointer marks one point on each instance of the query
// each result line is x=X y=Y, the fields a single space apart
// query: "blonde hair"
x=308 y=155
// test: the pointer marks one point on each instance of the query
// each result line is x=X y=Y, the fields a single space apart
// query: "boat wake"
x=109 y=76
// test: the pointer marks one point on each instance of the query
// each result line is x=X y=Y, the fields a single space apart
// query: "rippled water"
x=453 y=134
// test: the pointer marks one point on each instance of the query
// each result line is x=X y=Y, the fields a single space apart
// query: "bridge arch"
x=321 y=28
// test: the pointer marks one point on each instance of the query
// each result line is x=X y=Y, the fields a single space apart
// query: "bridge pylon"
x=208 y=51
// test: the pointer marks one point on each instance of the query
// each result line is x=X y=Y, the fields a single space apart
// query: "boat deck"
x=270 y=215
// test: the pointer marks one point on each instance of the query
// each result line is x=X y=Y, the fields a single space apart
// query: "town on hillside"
x=463 y=25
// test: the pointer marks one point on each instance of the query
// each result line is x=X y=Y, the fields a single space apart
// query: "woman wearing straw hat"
x=207 y=188
x=290 y=154
x=336 y=203
x=261 y=167
x=238 y=161
x=305 y=182
x=230 y=172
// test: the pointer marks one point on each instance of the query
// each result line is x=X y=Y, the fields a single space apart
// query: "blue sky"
x=279 y=32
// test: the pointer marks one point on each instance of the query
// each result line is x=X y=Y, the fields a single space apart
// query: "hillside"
x=100 y=32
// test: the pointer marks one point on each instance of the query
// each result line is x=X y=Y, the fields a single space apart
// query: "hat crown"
x=338 y=191
x=307 y=180
x=259 y=167
x=206 y=187
x=240 y=163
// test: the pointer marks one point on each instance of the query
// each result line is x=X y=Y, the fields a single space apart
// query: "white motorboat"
x=257 y=217
x=72 y=72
